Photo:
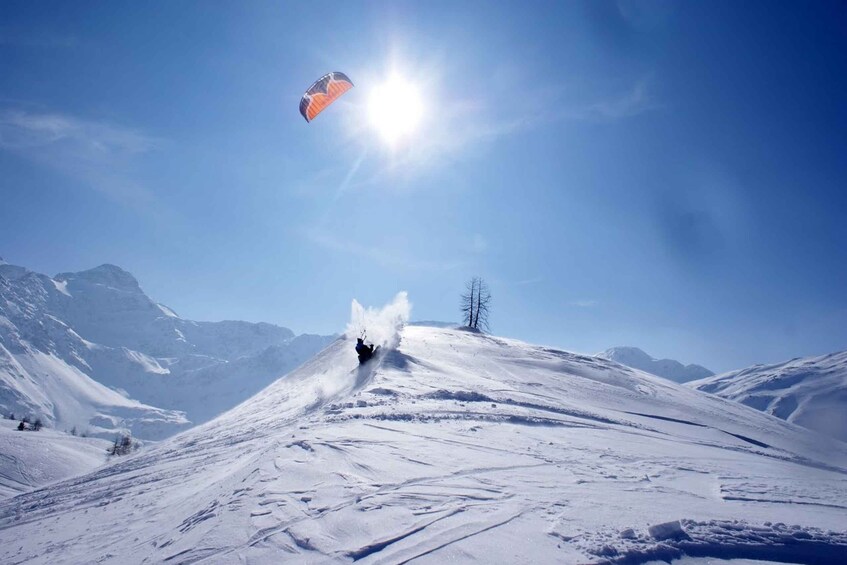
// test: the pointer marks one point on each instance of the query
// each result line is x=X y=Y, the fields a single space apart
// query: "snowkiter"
x=365 y=351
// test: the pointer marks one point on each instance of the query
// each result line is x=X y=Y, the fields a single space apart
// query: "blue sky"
x=659 y=174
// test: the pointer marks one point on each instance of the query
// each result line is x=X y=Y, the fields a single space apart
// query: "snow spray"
x=380 y=326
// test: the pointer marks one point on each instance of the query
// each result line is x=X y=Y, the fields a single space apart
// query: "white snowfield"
x=455 y=447
x=810 y=391
x=29 y=459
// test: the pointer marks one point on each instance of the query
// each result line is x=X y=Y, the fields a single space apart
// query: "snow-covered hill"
x=667 y=368
x=455 y=447
x=810 y=391
x=91 y=350
x=31 y=459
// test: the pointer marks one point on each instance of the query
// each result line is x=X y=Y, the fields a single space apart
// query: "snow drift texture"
x=90 y=350
x=455 y=447
x=31 y=459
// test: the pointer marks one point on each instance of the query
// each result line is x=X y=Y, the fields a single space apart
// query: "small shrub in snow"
x=37 y=425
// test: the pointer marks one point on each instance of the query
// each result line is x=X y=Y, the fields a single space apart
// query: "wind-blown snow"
x=454 y=447
x=810 y=391
x=62 y=286
x=167 y=311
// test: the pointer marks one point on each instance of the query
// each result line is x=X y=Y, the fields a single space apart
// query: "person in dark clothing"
x=365 y=351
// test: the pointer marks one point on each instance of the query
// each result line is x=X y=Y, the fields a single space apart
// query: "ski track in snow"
x=455 y=447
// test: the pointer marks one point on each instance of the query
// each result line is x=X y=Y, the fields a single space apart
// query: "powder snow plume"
x=380 y=326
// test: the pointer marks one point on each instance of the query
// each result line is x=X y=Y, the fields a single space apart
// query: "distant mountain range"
x=667 y=368
x=91 y=350
x=808 y=391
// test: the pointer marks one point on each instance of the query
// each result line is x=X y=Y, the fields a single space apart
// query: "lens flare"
x=395 y=109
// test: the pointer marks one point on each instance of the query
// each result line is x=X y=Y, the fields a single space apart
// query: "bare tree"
x=468 y=301
x=475 y=305
x=483 y=305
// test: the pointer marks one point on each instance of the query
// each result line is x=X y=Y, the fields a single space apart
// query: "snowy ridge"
x=455 y=447
x=810 y=391
x=91 y=350
x=667 y=368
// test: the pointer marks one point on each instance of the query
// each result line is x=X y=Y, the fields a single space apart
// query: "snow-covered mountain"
x=455 y=447
x=667 y=368
x=44 y=371
x=91 y=350
x=809 y=391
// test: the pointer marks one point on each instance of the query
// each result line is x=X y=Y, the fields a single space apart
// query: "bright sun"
x=395 y=109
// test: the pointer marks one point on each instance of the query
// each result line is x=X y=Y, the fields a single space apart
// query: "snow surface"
x=667 y=368
x=810 y=391
x=91 y=350
x=455 y=447
x=30 y=459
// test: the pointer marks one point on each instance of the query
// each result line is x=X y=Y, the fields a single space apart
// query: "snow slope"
x=810 y=391
x=68 y=343
x=31 y=459
x=667 y=368
x=455 y=447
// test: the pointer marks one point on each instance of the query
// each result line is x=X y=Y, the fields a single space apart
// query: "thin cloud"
x=632 y=103
x=583 y=303
x=22 y=130
x=98 y=154
x=637 y=100
x=470 y=129
x=523 y=282
x=376 y=255
x=526 y=282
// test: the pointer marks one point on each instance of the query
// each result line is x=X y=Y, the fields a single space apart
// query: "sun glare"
x=395 y=109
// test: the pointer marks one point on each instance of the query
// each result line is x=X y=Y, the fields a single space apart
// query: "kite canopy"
x=322 y=93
